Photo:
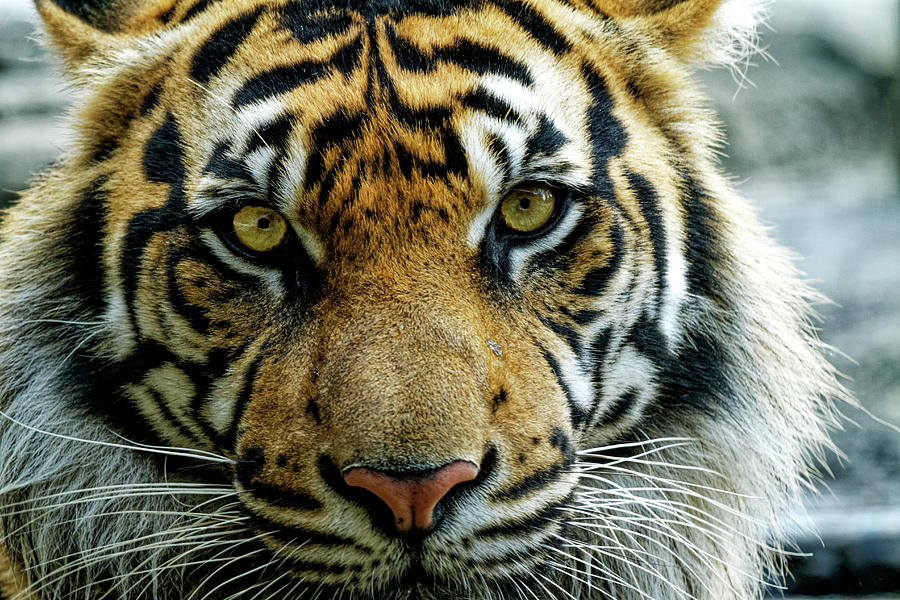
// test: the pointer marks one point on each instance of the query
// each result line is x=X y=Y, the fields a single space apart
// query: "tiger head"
x=449 y=297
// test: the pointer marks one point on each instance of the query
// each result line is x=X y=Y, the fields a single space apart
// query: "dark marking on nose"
x=412 y=497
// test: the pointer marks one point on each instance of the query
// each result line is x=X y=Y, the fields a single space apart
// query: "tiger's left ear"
x=77 y=29
x=711 y=32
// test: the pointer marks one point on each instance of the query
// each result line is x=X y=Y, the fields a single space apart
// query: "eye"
x=259 y=229
x=527 y=209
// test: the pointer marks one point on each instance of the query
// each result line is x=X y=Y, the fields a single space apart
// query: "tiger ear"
x=710 y=32
x=77 y=29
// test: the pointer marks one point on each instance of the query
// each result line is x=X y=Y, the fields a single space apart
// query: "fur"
x=639 y=384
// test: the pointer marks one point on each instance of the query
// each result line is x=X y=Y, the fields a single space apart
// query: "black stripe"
x=561 y=440
x=650 y=208
x=535 y=24
x=219 y=361
x=483 y=60
x=166 y=17
x=371 y=9
x=281 y=80
x=243 y=399
x=163 y=163
x=702 y=245
x=546 y=141
x=273 y=135
x=581 y=317
x=427 y=169
x=539 y=520
x=465 y=54
x=536 y=481
x=312 y=409
x=336 y=128
x=84 y=241
x=595 y=282
x=431 y=8
x=195 y=315
x=277 y=496
x=406 y=55
x=569 y=335
x=242 y=281
x=502 y=156
x=163 y=158
x=196 y=9
x=168 y=415
x=225 y=167
x=328 y=182
x=306 y=537
x=500 y=399
x=431 y=119
x=597 y=351
x=566 y=247
x=221 y=45
x=618 y=408
x=332 y=131
x=308 y=28
x=579 y=415
x=646 y=336
x=608 y=137
x=481 y=99
x=455 y=159
x=151 y=100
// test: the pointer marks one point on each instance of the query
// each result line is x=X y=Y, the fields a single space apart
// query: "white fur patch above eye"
x=258 y=163
x=474 y=131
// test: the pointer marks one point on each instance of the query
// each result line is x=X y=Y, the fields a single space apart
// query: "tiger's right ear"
x=77 y=29
x=711 y=32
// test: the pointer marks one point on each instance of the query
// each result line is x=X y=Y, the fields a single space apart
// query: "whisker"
x=134 y=446
x=233 y=560
x=648 y=569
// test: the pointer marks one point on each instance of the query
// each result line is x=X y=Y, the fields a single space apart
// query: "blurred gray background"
x=815 y=142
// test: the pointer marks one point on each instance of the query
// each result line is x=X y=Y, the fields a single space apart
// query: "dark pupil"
x=263 y=222
x=524 y=202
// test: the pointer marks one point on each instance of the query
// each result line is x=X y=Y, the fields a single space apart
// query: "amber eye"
x=259 y=229
x=528 y=209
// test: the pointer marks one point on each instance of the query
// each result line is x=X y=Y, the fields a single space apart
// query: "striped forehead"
x=294 y=84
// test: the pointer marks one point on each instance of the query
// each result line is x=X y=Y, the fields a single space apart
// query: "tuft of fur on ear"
x=72 y=38
x=732 y=35
x=76 y=29
x=699 y=32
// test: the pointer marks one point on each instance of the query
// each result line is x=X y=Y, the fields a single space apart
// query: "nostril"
x=412 y=497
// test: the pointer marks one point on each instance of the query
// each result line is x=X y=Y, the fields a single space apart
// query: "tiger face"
x=391 y=267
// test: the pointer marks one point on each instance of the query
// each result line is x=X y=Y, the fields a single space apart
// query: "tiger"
x=400 y=300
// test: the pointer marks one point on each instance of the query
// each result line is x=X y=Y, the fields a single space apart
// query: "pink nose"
x=412 y=498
